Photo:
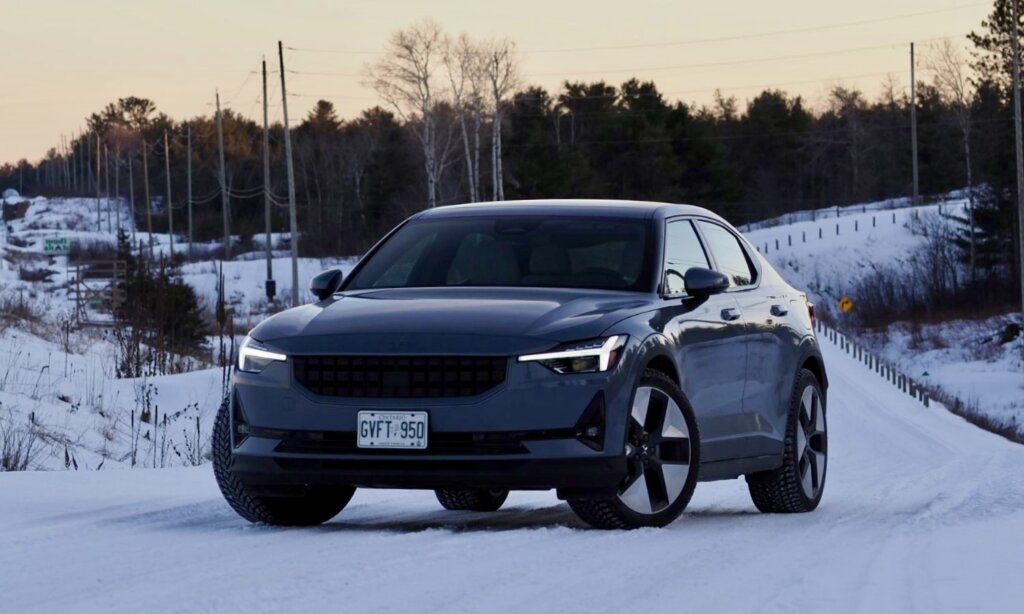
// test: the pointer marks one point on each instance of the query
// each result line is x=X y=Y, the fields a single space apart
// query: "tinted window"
x=730 y=258
x=683 y=251
x=512 y=251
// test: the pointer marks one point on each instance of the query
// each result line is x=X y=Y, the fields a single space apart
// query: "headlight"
x=253 y=357
x=591 y=356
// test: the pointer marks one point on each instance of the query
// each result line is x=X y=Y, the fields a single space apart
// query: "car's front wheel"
x=663 y=457
x=312 y=507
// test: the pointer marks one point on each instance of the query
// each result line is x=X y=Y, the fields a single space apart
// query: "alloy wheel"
x=811 y=443
x=658 y=452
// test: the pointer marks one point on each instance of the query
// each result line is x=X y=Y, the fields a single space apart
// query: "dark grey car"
x=618 y=352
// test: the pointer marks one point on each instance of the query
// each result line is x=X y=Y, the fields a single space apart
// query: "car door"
x=709 y=338
x=761 y=312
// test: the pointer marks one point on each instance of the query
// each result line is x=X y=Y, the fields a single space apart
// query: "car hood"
x=448 y=320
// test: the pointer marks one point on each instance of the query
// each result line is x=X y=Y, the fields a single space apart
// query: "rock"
x=1011 y=332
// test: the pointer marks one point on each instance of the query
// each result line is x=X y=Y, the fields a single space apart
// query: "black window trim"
x=693 y=219
x=744 y=247
x=664 y=252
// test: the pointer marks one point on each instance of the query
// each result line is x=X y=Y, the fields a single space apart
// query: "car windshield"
x=562 y=252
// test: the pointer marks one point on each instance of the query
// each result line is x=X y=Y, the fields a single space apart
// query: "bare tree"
x=463 y=61
x=502 y=70
x=953 y=82
x=406 y=79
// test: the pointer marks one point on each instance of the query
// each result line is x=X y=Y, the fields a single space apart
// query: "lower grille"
x=344 y=442
x=398 y=377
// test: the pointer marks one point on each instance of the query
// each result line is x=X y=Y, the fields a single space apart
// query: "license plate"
x=392 y=429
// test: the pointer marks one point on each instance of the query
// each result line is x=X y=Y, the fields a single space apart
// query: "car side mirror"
x=701 y=283
x=325 y=284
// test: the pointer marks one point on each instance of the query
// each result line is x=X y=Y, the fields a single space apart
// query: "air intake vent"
x=399 y=377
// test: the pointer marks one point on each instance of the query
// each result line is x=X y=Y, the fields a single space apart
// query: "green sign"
x=59 y=245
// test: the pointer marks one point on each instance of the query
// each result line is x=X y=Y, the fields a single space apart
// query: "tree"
x=406 y=78
x=993 y=56
x=502 y=71
x=464 y=63
x=953 y=83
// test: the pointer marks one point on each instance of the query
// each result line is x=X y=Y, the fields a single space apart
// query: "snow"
x=78 y=405
x=69 y=390
x=986 y=376
x=922 y=512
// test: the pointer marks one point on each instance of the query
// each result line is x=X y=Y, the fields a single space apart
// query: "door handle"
x=779 y=311
x=730 y=314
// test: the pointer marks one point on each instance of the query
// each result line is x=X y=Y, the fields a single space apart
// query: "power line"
x=692 y=41
x=754 y=60
x=779 y=58
x=752 y=35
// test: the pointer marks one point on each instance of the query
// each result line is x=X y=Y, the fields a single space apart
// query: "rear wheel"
x=663 y=456
x=314 y=506
x=798 y=484
x=471 y=499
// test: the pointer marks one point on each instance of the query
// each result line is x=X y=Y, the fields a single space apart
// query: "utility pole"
x=106 y=175
x=99 y=220
x=223 y=183
x=81 y=166
x=145 y=192
x=74 y=164
x=292 y=218
x=170 y=204
x=1020 y=153
x=188 y=174
x=131 y=193
x=117 y=184
x=271 y=286
x=913 y=125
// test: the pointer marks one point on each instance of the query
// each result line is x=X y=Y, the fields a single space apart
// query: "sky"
x=64 y=59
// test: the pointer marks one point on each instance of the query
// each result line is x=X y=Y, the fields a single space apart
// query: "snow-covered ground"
x=963 y=358
x=59 y=380
x=922 y=513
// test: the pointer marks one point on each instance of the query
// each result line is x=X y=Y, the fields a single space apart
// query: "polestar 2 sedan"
x=616 y=352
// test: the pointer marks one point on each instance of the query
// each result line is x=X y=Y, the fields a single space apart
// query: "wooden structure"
x=97 y=287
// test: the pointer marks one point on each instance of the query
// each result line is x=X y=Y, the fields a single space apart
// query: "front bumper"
x=523 y=434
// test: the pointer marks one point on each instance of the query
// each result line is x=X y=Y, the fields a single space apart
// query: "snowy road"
x=922 y=513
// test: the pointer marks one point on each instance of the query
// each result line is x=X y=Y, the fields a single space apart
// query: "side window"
x=729 y=255
x=683 y=252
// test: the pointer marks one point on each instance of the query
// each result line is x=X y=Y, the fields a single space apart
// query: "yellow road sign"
x=845 y=304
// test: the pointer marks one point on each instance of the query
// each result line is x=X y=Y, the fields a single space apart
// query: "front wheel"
x=315 y=506
x=798 y=484
x=662 y=456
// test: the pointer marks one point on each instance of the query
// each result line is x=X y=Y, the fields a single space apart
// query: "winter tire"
x=663 y=457
x=798 y=484
x=311 y=508
x=471 y=499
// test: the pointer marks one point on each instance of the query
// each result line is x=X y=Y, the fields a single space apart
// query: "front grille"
x=399 y=377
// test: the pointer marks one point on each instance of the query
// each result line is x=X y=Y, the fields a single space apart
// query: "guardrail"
x=881 y=368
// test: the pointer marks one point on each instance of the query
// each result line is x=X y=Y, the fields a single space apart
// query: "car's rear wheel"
x=663 y=457
x=798 y=484
x=312 y=507
x=471 y=499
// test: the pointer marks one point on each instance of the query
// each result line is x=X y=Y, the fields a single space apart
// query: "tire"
x=797 y=486
x=315 y=506
x=663 y=459
x=471 y=499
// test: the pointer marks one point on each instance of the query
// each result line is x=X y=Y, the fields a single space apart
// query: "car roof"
x=568 y=207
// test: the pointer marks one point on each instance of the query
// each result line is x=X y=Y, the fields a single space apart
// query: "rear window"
x=568 y=252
